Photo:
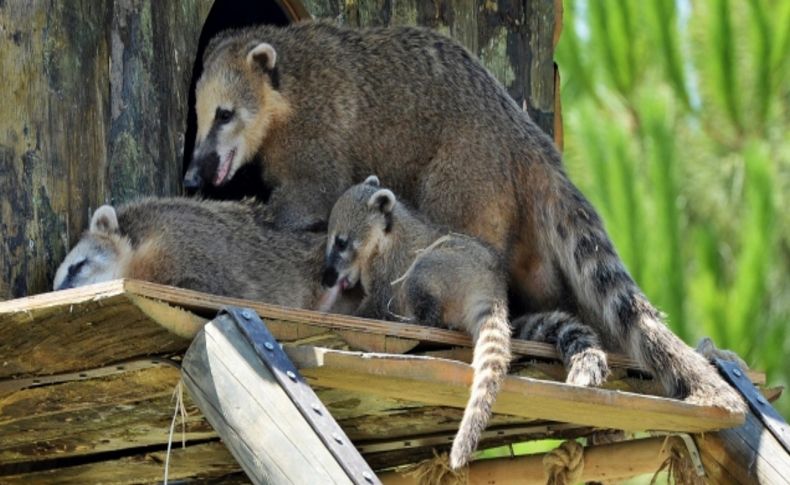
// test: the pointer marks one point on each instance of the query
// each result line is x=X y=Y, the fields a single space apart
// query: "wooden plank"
x=201 y=303
x=92 y=316
x=611 y=462
x=124 y=411
x=444 y=382
x=209 y=462
x=746 y=454
x=258 y=422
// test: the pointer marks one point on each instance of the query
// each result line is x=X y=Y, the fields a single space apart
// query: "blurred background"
x=677 y=127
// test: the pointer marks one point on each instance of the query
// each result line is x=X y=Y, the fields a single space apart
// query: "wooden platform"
x=87 y=376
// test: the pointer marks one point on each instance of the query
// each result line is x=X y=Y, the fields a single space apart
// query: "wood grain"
x=445 y=382
x=94 y=110
x=263 y=429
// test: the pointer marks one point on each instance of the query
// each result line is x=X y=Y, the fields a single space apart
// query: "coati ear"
x=104 y=220
x=383 y=201
x=264 y=55
x=373 y=180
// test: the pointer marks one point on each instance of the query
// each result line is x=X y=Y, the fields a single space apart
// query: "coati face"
x=99 y=256
x=359 y=225
x=237 y=104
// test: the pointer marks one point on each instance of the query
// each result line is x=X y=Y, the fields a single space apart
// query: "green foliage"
x=677 y=128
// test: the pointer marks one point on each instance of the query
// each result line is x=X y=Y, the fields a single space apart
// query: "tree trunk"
x=93 y=112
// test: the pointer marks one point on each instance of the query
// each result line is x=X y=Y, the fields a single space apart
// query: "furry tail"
x=578 y=344
x=609 y=299
x=490 y=363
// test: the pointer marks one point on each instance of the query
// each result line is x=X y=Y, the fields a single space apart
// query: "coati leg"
x=609 y=299
x=424 y=304
x=578 y=345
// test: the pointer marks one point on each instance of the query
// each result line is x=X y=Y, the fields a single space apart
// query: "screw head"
x=268 y=345
x=761 y=400
x=246 y=314
x=291 y=375
x=368 y=476
x=316 y=408
x=737 y=372
x=337 y=438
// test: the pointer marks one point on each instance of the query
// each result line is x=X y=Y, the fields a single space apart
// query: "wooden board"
x=445 y=382
x=135 y=318
x=125 y=411
x=261 y=426
x=202 y=463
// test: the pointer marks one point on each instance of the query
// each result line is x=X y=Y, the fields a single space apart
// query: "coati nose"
x=193 y=180
x=329 y=277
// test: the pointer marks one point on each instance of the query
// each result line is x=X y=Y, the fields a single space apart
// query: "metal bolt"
x=337 y=438
x=291 y=375
x=737 y=372
x=268 y=345
x=316 y=408
x=368 y=476
x=761 y=400
x=246 y=315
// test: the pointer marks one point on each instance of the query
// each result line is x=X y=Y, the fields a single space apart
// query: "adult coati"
x=410 y=269
x=324 y=106
x=223 y=248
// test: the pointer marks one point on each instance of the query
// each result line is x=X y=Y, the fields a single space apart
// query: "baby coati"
x=409 y=269
x=223 y=248
x=324 y=106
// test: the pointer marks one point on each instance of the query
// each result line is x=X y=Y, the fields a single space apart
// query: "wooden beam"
x=445 y=382
x=602 y=463
x=209 y=462
x=257 y=420
x=81 y=418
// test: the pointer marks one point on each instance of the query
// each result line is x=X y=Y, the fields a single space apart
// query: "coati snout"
x=237 y=104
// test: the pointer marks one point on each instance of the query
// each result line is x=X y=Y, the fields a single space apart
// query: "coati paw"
x=708 y=349
x=588 y=368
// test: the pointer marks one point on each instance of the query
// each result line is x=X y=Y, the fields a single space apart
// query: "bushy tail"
x=609 y=299
x=578 y=344
x=490 y=363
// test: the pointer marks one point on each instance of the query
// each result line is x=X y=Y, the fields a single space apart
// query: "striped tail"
x=578 y=344
x=490 y=364
x=609 y=299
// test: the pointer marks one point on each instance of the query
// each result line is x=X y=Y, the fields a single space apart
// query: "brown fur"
x=420 y=111
x=223 y=248
x=409 y=269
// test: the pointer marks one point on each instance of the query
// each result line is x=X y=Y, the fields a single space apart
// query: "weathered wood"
x=747 y=454
x=602 y=463
x=203 y=463
x=94 y=106
x=263 y=429
x=80 y=418
x=91 y=317
x=515 y=40
x=444 y=382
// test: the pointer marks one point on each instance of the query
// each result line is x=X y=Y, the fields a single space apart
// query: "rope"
x=564 y=464
x=178 y=394
x=678 y=466
x=437 y=471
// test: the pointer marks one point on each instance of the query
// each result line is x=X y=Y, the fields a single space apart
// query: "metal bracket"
x=757 y=402
x=302 y=395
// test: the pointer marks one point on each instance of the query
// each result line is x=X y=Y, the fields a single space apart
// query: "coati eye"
x=341 y=243
x=76 y=267
x=223 y=115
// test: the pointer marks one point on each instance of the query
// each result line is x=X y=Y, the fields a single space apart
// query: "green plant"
x=676 y=127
